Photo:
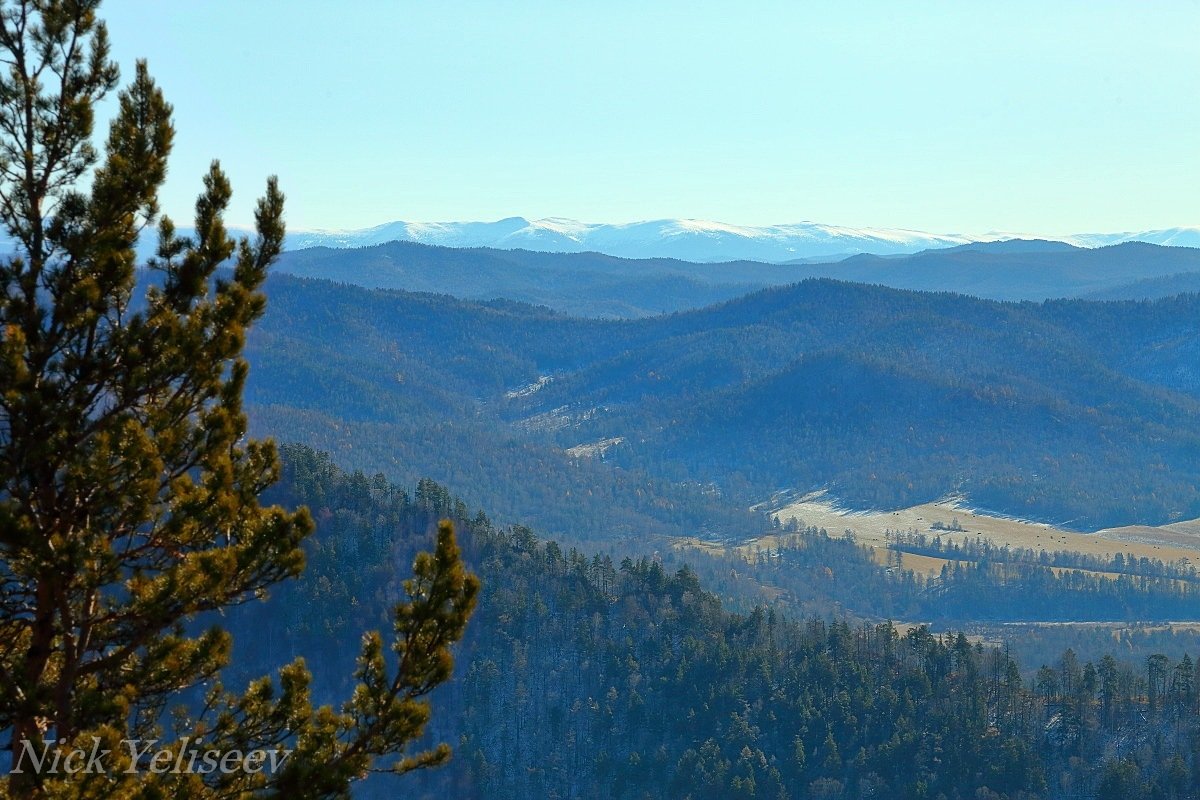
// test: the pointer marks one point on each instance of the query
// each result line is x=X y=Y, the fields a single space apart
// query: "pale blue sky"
x=1039 y=117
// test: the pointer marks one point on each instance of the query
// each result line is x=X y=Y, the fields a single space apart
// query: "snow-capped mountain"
x=684 y=239
x=694 y=240
x=1169 y=237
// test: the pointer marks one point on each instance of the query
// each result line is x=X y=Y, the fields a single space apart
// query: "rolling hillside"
x=1086 y=414
x=596 y=285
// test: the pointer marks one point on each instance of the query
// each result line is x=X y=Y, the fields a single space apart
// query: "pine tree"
x=128 y=489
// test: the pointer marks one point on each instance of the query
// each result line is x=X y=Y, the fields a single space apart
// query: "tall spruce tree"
x=128 y=489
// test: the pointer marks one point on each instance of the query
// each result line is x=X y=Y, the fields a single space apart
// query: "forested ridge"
x=586 y=284
x=1077 y=412
x=598 y=285
x=584 y=676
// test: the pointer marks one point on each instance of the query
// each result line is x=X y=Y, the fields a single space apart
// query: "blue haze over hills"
x=699 y=240
x=593 y=284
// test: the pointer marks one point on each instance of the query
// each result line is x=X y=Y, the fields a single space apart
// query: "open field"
x=926 y=565
x=1176 y=542
x=1116 y=627
x=932 y=565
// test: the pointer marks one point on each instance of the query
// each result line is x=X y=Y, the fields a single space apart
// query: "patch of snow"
x=552 y=420
x=526 y=391
x=556 y=419
x=595 y=449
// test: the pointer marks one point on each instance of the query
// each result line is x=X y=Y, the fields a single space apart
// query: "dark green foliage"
x=129 y=491
x=587 y=678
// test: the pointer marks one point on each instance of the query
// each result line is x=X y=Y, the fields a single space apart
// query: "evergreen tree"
x=128 y=489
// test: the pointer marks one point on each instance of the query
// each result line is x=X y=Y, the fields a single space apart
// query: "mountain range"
x=697 y=240
x=690 y=240
x=1081 y=413
x=598 y=285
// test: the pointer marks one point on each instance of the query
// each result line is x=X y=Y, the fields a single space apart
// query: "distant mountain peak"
x=1012 y=246
x=701 y=240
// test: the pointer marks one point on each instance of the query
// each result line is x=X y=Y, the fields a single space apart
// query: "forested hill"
x=1073 y=411
x=1021 y=269
x=587 y=284
x=585 y=678
x=597 y=285
x=1151 y=288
